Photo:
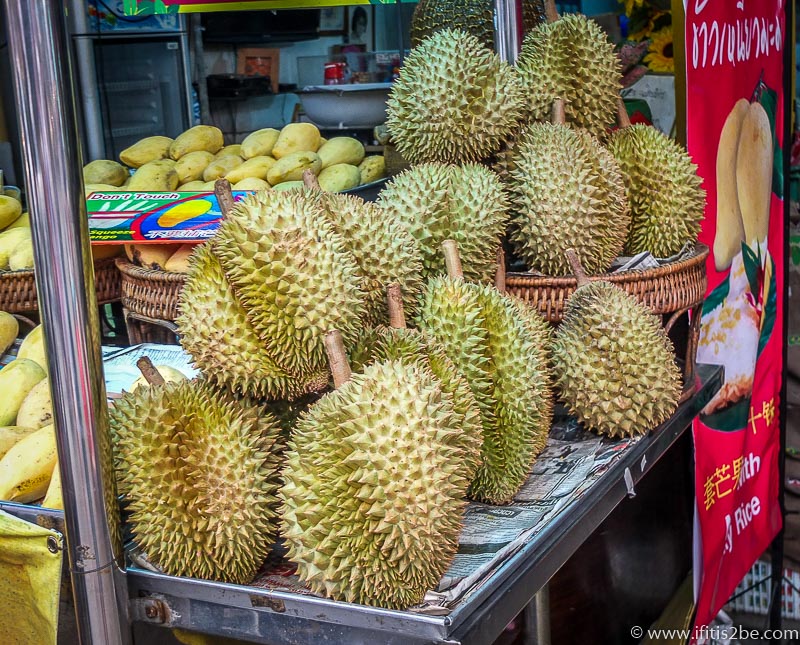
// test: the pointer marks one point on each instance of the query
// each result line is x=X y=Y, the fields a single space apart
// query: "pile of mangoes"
x=266 y=159
x=16 y=245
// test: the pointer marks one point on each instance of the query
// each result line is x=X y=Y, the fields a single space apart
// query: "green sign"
x=149 y=7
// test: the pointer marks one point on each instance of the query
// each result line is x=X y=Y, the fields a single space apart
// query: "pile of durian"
x=361 y=375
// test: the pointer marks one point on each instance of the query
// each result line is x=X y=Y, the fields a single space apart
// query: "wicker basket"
x=673 y=287
x=18 y=288
x=150 y=299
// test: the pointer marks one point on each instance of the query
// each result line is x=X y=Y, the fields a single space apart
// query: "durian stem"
x=550 y=11
x=558 y=113
x=500 y=276
x=577 y=268
x=394 y=299
x=623 y=120
x=149 y=371
x=310 y=180
x=452 y=259
x=337 y=357
x=222 y=189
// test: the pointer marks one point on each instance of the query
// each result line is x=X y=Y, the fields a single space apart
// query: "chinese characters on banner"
x=734 y=116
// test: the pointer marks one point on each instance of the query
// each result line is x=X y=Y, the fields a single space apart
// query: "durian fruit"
x=199 y=474
x=292 y=274
x=501 y=351
x=666 y=199
x=571 y=59
x=614 y=364
x=473 y=16
x=454 y=101
x=216 y=332
x=374 y=487
x=436 y=202
x=566 y=191
x=382 y=247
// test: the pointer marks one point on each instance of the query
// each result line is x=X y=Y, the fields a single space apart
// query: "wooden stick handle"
x=550 y=11
x=577 y=268
x=452 y=259
x=222 y=189
x=623 y=120
x=500 y=276
x=310 y=180
x=337 y=357
x=558 y=113
x=394 y=299
x=149 y=371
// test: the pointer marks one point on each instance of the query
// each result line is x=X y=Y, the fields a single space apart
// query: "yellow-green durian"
x=436 y=202
x=454 y=101
x=566 y=191
x=614 y=364
x=374 y=488
x=571 y=59
x=199 y=474
x=664 y=190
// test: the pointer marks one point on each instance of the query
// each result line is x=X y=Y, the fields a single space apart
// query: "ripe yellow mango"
x=16 y=380
x=10 y=241
x=372 y=169
x=32 y=348
x=10 y=210
x=25 y=470
x=233 y=149
x=145 y=151
x=292 y=166
x=251 y=183
x=21 y=258
x=200 y=137
x=11 y=435
x=88 y=189
x=192 y=187
x=23 y=221
x=341 y=150
x=9 y=329
x=179 y=261
x=190 y=167
x=257 y=167
x=221 y=167
x=259 y=143
x=151 y=256
x=754 y=173
x=296 y=137
x=105 y=171
x=53 y=498
x=36 y=410
x=156 y=176
x=338 y=177
x=289 y=185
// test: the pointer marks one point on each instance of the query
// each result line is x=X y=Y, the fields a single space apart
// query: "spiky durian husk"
x=382 y=247
x=501 y=351
x=408 y=345
x=473 y=16
x=614 y=364
x=567 y=192
x=374 y=486
x=664 y=190
x=436 y=202
x=217 y=334
x=454 y=101
x=292 y=274
x=571 y=59
x=199 y=471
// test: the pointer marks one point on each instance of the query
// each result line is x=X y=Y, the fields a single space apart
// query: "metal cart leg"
x=537 y=619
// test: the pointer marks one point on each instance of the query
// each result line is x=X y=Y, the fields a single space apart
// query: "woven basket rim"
x=24 y=273
x=133 y=271
x=697 y=256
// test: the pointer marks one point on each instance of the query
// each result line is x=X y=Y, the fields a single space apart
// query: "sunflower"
x=660 y=54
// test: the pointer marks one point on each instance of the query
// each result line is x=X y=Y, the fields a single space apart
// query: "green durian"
x=374 y=488
x=473 y=16
x=664 y=190
x=383 y=249
x=293 y=275
x=613 y=362
x=216 y=332
x=199 y=474
x=454 y=101
x=501 y=350
x=571 y=59
x=436 y=202
x=566 y=191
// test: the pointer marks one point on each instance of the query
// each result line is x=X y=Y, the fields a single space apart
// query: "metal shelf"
x=282 y=618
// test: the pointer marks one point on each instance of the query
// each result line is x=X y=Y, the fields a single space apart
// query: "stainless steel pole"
x=507 y=29
x=39 y=54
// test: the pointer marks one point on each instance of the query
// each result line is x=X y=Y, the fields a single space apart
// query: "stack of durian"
x=366 y=479
x=265 y=159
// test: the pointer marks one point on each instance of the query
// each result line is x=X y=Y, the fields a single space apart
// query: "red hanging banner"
x=734 y=122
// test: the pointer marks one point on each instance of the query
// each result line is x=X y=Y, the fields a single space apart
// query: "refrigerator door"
x=142 y=89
